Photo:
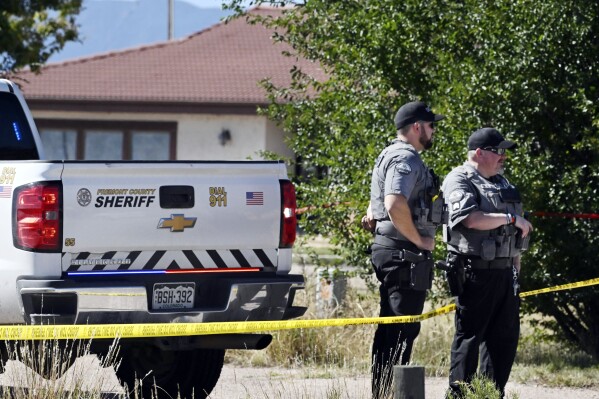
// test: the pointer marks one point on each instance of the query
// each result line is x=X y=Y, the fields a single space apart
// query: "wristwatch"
x=511 y=219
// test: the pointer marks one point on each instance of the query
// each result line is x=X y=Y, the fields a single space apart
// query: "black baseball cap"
x=489 y=137
x=413 y=112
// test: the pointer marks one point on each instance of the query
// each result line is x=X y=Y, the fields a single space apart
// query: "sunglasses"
x=431 y=124
x=498 y=151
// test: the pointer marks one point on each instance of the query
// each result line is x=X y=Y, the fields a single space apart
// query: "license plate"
x=173 y=295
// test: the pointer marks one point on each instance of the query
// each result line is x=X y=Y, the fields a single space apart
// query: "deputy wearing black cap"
x=404 y=211
x=485 y=235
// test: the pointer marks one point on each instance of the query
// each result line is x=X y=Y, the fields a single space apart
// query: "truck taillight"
x=37 y=219
x=288 y=218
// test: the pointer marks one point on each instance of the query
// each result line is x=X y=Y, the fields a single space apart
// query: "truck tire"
x=167 y=373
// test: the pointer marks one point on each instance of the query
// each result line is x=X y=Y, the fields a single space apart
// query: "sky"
x=209 y=3
x=134 y=23
x=206 y=3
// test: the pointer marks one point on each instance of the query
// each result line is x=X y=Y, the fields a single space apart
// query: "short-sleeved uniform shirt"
x=467 y=191
x=400 y=170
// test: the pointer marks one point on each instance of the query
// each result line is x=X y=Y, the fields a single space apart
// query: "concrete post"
x=408 y=382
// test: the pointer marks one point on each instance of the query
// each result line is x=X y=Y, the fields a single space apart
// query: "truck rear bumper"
x=122 y=302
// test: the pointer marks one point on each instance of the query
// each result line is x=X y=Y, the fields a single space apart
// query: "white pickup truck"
x=144 y=242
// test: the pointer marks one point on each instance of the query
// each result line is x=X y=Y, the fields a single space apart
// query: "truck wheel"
x=165 y=374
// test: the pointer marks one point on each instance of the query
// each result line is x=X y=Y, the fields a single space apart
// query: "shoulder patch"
x=403 y=168
x=456 y=196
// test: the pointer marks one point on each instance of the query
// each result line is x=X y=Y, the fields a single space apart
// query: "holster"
x=421 y=275
x=415 y=272
x=455 y=273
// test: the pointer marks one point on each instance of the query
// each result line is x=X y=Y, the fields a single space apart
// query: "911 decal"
x=218 y=196
x=8 y=175
x=7 y=178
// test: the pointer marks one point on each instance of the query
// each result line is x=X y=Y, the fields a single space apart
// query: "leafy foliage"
x=32 y=30
x=526 y=67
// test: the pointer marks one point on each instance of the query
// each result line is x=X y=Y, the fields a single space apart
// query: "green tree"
x=526 y=67
x=32 y=30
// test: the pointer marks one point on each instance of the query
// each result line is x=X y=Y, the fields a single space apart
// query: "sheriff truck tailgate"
x=171 y=215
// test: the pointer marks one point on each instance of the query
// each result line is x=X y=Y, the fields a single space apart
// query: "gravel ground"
x=261 y=383
x=277 y=383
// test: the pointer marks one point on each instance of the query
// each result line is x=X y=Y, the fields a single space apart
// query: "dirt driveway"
x=277 y=383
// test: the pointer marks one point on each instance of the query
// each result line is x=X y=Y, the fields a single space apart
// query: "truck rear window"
x=16 y=139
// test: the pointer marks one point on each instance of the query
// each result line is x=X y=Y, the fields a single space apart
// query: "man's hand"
x=368 y=223
x=524 y=225
x=427 y=243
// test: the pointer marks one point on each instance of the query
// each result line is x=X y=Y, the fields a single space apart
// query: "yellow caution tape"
x=97 y=331
x=579 y=284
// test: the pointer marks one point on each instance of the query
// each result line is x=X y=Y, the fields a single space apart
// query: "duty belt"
x=393 y=243
x=478 y=263
x=407 y=251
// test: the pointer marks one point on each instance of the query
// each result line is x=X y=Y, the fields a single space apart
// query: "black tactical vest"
x=493 y=196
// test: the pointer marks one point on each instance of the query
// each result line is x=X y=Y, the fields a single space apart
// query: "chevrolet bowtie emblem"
x=176 y=223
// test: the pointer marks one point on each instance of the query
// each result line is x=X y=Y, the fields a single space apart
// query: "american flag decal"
x=254 y=198
x=5 y=191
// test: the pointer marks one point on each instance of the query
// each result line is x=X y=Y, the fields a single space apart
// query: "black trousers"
x=393 y=343
x=487 y=323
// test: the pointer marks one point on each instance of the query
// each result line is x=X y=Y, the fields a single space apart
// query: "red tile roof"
x=219 y=65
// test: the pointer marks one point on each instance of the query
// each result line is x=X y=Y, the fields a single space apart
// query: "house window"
x=59 y=144
x=103 y=145
x=99 y=140
x=150 y=146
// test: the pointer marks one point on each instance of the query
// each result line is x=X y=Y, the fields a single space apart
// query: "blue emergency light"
x=17 y=130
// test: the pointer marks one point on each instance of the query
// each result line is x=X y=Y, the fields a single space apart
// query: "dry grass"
x=343 y=351
x=42 y=369
x=337 y=349
x=328 y=353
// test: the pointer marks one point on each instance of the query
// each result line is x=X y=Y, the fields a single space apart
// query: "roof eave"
x=131 y=106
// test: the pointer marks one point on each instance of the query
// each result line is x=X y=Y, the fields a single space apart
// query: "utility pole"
x=171 y=19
